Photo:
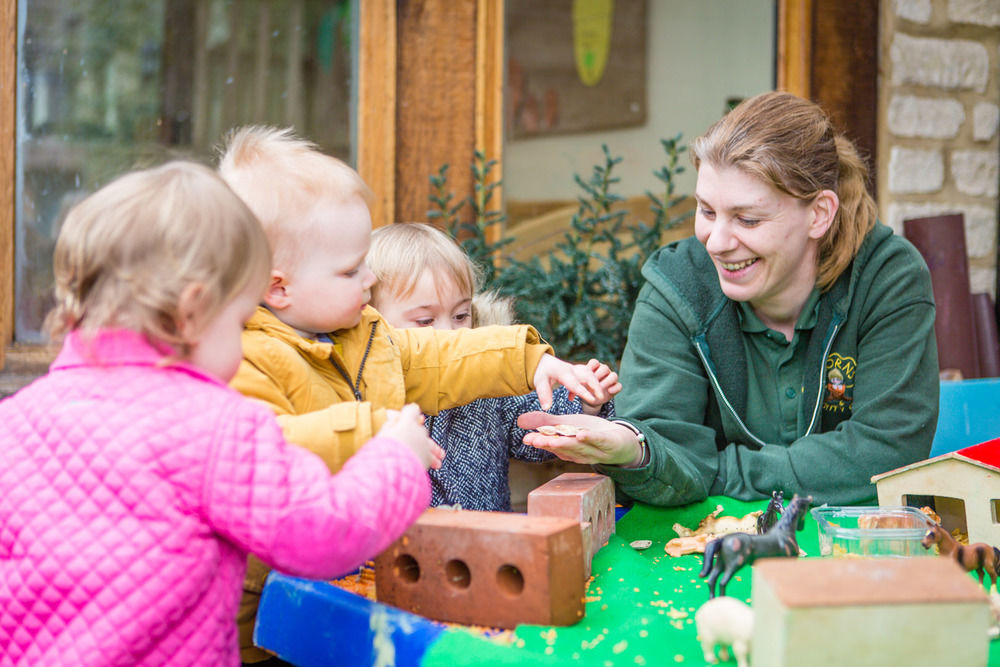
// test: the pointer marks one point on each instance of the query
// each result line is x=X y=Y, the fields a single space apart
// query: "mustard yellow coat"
x=332 y=398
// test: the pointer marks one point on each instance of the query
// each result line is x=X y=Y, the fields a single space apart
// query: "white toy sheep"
x=726 y=622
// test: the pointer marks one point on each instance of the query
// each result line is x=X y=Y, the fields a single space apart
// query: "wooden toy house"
x=867 y=612
x=963 y=487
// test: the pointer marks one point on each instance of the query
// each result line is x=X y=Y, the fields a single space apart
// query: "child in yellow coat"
x=330 y=365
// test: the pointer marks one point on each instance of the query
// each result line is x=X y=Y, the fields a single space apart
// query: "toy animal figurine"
x=725 y=555
x=725 y=622
x=771 y=514
x=981 y=557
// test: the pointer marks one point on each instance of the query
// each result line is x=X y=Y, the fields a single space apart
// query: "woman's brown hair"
x=789 y=143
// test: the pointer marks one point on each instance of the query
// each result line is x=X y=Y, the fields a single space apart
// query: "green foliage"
x=580 y=296
x=473 y=236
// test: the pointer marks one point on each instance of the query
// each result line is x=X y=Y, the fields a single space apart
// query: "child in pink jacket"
x=133 y=481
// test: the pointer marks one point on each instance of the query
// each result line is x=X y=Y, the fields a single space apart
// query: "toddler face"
x=436 y=301
x=331 y=284
x=217 y=349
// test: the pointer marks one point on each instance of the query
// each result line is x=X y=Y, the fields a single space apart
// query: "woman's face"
x=763 y=242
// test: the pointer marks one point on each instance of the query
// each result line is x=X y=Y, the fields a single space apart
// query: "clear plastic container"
x=871 y=531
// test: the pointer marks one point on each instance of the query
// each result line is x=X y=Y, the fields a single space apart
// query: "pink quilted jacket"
x=130 y=494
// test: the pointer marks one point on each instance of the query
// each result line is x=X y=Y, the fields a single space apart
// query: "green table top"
x=641 y=604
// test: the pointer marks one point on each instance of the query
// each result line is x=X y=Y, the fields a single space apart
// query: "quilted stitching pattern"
x=130 y=495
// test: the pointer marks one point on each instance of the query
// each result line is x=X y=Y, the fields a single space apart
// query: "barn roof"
x=984 y=455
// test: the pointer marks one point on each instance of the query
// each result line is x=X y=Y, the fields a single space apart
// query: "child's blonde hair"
x=400 y=254
x=127 y=252
x=791 y=144
x=282 y=177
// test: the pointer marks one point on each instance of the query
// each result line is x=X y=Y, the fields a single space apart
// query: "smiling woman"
x=788 y=346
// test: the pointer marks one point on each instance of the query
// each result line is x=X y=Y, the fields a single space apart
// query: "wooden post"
x=489 y=91
x=8 y=140
x=795 y=35
x=376 y=116
x=436 y=104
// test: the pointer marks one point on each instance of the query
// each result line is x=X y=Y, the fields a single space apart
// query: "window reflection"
x=106 y=86
x=625 y=73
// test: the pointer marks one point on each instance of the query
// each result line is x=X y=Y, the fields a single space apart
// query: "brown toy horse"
x=980 y=557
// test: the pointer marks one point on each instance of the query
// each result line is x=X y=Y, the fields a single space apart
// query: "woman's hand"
x=598 y=441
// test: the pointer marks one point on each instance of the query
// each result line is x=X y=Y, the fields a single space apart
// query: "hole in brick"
x=601 y=521
x=510 y=581
x=458 y=574
x=407 y=567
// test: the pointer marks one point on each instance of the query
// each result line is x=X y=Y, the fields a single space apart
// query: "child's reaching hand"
x=407 y=426
x=609 y=387
x=579 y=379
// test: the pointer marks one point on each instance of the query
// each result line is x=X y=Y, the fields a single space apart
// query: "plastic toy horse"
x=981 y=557
x=770 y=516
x=725 y=555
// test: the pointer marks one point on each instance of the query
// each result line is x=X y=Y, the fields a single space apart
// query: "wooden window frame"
x=385 y=98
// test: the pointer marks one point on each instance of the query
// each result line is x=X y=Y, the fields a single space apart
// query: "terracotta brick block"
x=584 y=496
x=486 y=568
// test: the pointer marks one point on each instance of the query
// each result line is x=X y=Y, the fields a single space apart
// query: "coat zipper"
x=718 y=390
x=729 y=406
x=356 y=385
x=822 y=367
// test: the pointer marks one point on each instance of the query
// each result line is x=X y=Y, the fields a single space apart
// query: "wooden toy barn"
x=962 y=486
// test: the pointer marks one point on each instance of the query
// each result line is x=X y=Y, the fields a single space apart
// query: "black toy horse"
x=770 y=516
x=726 y=554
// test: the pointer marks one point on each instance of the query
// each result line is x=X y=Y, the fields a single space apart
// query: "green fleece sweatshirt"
x=867 y=404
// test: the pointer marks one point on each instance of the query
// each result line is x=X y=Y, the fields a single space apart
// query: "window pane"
x=106 y=86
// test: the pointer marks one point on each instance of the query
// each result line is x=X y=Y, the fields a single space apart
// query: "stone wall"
x=939 y=113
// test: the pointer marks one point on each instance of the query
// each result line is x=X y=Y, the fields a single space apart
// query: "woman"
x=788 y=346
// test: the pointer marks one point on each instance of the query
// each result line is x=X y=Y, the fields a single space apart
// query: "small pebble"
x=559 y=429
x=639 y=545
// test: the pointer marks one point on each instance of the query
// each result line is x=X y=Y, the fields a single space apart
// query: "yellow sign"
x=592 y=22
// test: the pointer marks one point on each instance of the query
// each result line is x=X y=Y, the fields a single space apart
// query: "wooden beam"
x=8 y=141
x=489 y=92
x=844 y=69
x=376 y=116
x=436 y=101
x=795 y=36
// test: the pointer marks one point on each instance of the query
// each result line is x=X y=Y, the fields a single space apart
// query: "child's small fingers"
x=583 y=391
x=437 y=456
x=545 y=396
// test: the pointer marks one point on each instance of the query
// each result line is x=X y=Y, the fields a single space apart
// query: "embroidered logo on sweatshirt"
x=839 y=383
